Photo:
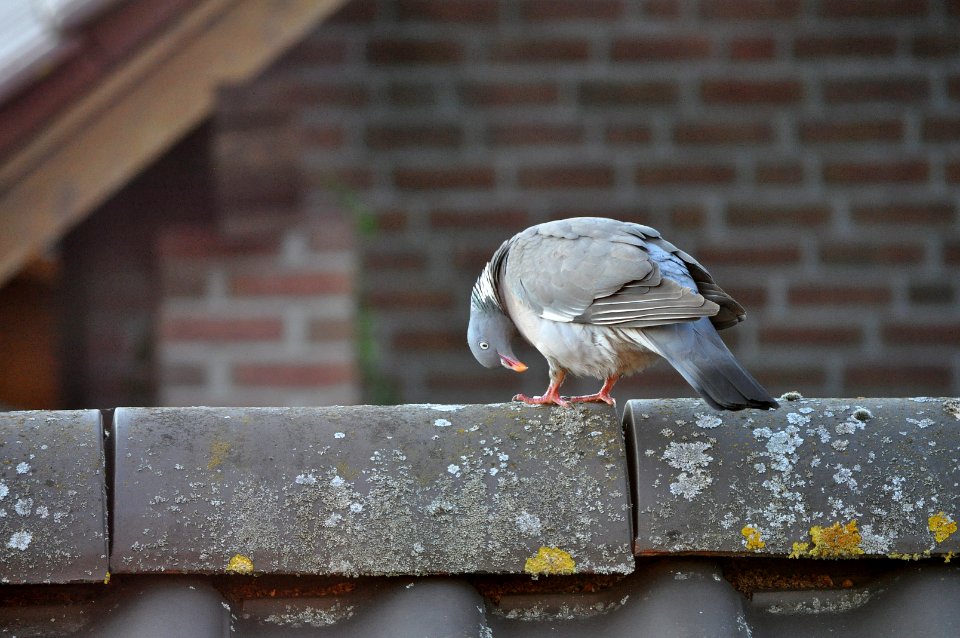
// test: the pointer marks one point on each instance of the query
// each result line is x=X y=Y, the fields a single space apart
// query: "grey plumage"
x=603 y=298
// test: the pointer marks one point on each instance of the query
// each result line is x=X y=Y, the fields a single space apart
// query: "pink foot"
x=599 y=397
x=546 y=399
x=603 y=396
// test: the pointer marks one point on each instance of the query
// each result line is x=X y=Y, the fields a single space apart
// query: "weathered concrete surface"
x=818 y=478
x=413 y=489
x=52 y=497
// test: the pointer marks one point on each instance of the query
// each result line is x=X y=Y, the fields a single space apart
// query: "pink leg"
x=603 y=395
x=552 y=395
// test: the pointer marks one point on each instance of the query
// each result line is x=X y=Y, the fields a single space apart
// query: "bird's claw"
x=546 y=399
x=594 y=398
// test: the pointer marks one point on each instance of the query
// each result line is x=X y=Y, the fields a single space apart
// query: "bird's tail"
x=697 y=352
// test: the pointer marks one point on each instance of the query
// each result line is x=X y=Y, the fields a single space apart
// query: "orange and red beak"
x=513 y=364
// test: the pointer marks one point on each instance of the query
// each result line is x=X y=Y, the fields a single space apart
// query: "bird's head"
x=489 y=335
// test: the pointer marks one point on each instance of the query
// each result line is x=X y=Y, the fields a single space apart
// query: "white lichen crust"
x=482 y=491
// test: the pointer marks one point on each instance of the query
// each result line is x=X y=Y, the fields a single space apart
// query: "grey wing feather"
x=605 y=272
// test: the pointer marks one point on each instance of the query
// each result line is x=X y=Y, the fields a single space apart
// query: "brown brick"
x=830 y=295
x=750 y=9
x=560 y=10
x=342 y=94
x=382 y=137
x=874 y=8
x=293 y=375
x=445 y=178
x=807 y=335
x=532 y=51
x=745 y=48
x=951 y=252
x=953 y=7
x=778 y=215
x=411 y=299
x=848 y=254
x=851 y=131
x=603 y=93
x=292 y=284
x=566 y=176
x=448 y=219
x=780 y=173
x=929 y=213
x=390 y=51
x=901 y=90
x=748 y=255
x=817 y=46
x=338 y=178
x=936 y=45
x=253 y=187
x=493 y=94
x=322 y=330
x=628 y=134
x=322 y=136
x=941 y=129
x=867 y=172
x=201 y=242
x=737 y=91
x=390 y=221
x=922 y=334
x=880 y=379
x=454 y=11
x=664 y=9
x=218 y=329
x=414 y=94
x=534 y=134
x=471 y=260
x=672 y=174
x=333 y=231
x=648 y=48
x=953 y=172
x=689 y=216
x=420 y=340
x=315 y=52
x=706 y=133
x=750 y=297
x=389 y=261
x=931 y=294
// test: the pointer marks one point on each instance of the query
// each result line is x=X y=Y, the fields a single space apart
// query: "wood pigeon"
x=604 y=298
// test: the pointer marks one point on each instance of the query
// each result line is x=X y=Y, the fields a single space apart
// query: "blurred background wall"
x=316 y=241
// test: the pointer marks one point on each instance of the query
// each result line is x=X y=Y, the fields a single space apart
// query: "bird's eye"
x=484 y=345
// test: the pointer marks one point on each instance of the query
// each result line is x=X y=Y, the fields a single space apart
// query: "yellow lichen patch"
x=218 y=450
x=899 y=556
x=240 y=564
x=106 y=579
x=948 y=557
x=799 y=550
x=550 y=561
x=752 y=539
x=836 y=541
x=942 y=526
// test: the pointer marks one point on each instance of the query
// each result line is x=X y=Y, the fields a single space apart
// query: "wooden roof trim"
x=96 y=145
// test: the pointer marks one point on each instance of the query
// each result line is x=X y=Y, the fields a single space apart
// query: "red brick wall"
x=258 y=306
x=807 y=152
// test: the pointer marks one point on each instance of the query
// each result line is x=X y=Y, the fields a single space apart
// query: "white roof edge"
x=34 y=36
